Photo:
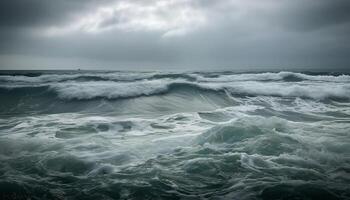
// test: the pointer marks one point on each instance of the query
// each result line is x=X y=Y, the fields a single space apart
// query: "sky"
x=174 y=34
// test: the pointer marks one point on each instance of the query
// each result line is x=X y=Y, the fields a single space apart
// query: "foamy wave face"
x=310 y=90
x=307 y=89
x=108 y=89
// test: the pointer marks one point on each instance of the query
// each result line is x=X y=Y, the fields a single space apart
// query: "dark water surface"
x=157 y=135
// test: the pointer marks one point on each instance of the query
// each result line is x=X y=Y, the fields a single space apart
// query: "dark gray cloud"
x=19 y=13
x=24 y=13
x=174 y=34
x=308 y=15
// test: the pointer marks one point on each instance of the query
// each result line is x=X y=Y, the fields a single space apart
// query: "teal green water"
x=152 y=135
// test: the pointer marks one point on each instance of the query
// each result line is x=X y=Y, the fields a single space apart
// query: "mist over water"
x=162 y=135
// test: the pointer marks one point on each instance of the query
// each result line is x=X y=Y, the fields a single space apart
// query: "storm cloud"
x=169 y=34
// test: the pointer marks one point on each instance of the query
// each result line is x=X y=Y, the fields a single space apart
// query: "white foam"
x=241 y=77
x=306 y=89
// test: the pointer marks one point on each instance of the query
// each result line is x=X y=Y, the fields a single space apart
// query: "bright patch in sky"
x=168 y=17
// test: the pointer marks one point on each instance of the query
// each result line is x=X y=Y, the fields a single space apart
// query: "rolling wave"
x=199 y=77
x=73 y=90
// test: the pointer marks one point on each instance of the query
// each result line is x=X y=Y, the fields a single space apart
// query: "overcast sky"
x=174 y=34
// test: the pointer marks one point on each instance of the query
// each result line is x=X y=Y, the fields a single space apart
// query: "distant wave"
x=46 y=78
x=193 y=77
x=280 y=76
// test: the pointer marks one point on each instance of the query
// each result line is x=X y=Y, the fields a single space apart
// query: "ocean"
x=174 y=135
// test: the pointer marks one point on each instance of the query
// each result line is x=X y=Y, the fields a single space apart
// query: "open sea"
x=174 y=135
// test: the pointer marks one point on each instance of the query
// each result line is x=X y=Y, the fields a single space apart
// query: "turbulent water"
x=157 y=135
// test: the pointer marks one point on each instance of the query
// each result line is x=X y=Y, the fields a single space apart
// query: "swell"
x=177 y=97
x=53 y=92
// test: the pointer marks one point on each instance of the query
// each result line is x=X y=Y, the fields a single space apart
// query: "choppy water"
x=152 y=135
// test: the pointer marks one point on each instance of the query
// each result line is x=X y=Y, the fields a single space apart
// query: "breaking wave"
x=114 y=90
